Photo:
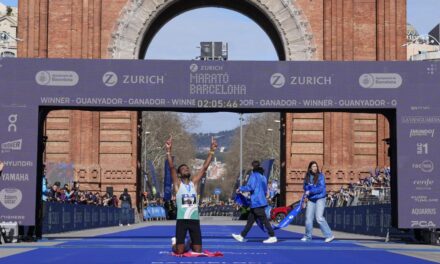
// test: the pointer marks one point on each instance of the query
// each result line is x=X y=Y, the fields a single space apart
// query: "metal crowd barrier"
x=217 y=210
x=365 y=219
x=154 y=213
x=61 y=217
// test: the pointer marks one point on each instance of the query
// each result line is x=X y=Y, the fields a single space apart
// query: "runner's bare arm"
x=169 y=147
x=208 y=160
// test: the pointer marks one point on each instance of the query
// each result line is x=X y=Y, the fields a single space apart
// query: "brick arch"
x=284 y=23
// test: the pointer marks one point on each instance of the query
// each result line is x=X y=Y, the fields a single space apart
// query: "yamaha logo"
x=110 y=79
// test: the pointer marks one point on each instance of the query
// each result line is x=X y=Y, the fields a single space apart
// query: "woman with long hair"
x=314 y=187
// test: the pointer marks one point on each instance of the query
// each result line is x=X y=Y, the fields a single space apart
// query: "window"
x=8 y=54
x=4 y=36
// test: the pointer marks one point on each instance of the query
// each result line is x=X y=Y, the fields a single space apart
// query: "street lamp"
x=241 y=148
x=272 y=148
x=144 y=154
x=278 y=122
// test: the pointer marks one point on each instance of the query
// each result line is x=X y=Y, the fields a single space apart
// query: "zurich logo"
x=193 y=67
x=110 y=79
x=277 y=80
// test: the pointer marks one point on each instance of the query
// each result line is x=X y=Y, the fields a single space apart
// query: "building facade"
x=344 y=30
x=423 y=48
x=8 y=31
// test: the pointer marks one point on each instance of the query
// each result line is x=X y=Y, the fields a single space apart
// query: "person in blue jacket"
x=257 y=187
x=314 y=187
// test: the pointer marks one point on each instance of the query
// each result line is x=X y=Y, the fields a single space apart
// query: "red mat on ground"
x=205 y=253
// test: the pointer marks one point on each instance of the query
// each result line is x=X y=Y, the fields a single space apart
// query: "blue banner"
x=154 y=213
x=289 y=218
x=236 y=186
x=60 y=217
x=202 y=188
x=155 y=187
x=147 y=186
x=365 y=219
x=267 y=166
x=167 y=182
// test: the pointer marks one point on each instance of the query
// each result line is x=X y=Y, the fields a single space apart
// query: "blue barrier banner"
x=237 y=184
x=59 y=217
x=167 y=182
x=267 y=166
x=147 y=183
x=364 y=86
x=154 y=212
x=155 y=191
x=202 y=188
x=366 y=219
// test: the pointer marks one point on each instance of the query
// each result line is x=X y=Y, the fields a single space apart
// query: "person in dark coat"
x=125 y=199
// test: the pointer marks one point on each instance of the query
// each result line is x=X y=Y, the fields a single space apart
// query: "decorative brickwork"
x=344 y=143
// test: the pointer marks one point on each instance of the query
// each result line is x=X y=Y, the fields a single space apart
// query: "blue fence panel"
x=366 y=219
x=154 y=212
x=58 y=217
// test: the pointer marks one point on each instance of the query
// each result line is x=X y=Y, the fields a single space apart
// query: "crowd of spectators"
x=375 y=188
x=74 y=195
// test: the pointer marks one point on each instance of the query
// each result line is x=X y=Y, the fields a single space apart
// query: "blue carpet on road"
x=152 y=245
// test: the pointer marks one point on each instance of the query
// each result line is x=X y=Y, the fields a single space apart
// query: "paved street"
x=149 y=242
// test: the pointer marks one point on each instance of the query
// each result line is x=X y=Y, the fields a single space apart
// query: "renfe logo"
x=10 y=198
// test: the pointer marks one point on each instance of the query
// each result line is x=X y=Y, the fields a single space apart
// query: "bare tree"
x=261 y=140
x=156 y=129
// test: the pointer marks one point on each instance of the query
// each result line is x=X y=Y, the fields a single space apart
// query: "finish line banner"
x=406 y=92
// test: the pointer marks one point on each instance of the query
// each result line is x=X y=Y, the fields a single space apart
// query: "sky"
x=424 y=15
x=245 y=39
x=9 y=2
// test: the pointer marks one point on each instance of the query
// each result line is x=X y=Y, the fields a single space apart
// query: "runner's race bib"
x=189 y=200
